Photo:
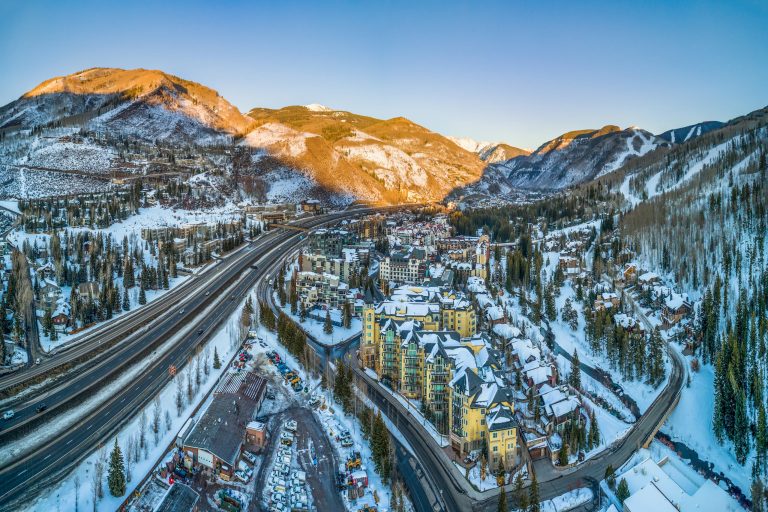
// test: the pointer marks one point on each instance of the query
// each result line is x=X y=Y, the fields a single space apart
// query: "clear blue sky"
x=522 y=73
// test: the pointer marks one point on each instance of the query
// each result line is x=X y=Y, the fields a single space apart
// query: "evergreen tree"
x=758 y=495
x=549 y=303
x=741 y=429
x=610 y=476
x=533 y=495
x=126 y=300
x=521 y=498
x=116 y=474
x=380 y=447
x=502 y=500
x=622 y=492
x=328 y=326
x=656 y=358
x=574 y=379
x=594 y=430
x=216 y=360
x=761 y=440
x=142 y=296
x=562 y=456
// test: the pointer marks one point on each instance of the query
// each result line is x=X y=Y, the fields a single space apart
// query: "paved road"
x=459 y=495
x=31 y=474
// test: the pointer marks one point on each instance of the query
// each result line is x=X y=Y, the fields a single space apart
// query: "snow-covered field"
x=315 y=327
x=30 y=184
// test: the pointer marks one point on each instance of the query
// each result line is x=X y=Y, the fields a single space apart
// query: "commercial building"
x=330 y=242
x=215 y=441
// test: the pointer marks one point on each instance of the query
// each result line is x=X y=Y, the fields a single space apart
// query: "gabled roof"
x=500 y=417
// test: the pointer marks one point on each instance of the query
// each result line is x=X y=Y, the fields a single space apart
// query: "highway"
x=228 y=283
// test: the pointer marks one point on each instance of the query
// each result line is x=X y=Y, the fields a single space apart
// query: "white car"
x=8 y=414
x=291 y=425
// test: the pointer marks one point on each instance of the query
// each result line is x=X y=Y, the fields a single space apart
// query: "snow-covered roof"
x=675 y=301
x=495 y=313
x=539 y=374
x=649 y=498
x=500 y=417
x=648 y=483
x=506 y=331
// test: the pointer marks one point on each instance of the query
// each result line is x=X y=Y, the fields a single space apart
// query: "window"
x=495 y=435
x=495 y=448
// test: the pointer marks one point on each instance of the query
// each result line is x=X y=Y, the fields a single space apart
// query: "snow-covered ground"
x=10 y=204
x=691 y=423
x=315 y=327
x=567 y=501
x=19 y=356
x=130 y=229
x=642 y=393
x=62 y=496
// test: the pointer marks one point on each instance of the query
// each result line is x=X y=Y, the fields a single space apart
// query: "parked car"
x=249 y=456
x=8 y=414
x=41 y=407
x=291 y=425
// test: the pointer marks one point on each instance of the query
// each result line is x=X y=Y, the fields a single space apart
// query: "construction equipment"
x=354 y=461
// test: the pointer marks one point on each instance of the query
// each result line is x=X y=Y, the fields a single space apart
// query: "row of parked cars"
x=290 y=376
x=244 y=471
x=287 y=489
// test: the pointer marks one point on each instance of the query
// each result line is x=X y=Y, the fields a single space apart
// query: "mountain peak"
x=120 y=94
x=317 y=107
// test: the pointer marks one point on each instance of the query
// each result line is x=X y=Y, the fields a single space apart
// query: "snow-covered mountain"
x=579 y=156
x=391 y=160
x=490 y=152
x=686 y=133
x=104 y=121
x=570 y=159
x=140 y=104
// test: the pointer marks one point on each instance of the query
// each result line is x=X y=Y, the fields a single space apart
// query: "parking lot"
x=312 y=454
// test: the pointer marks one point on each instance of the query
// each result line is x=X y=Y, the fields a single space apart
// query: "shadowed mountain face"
x=686 y=133
x=572 y=158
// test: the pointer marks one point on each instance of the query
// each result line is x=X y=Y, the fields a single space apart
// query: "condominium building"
x=408 y=266
x=315 y=288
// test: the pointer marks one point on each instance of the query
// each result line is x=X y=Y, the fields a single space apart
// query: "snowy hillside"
x=698 y=219
x=581 y=156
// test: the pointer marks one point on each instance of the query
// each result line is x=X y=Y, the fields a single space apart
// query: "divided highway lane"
x=28 y=476
x=128 y=324
x=110 y=363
